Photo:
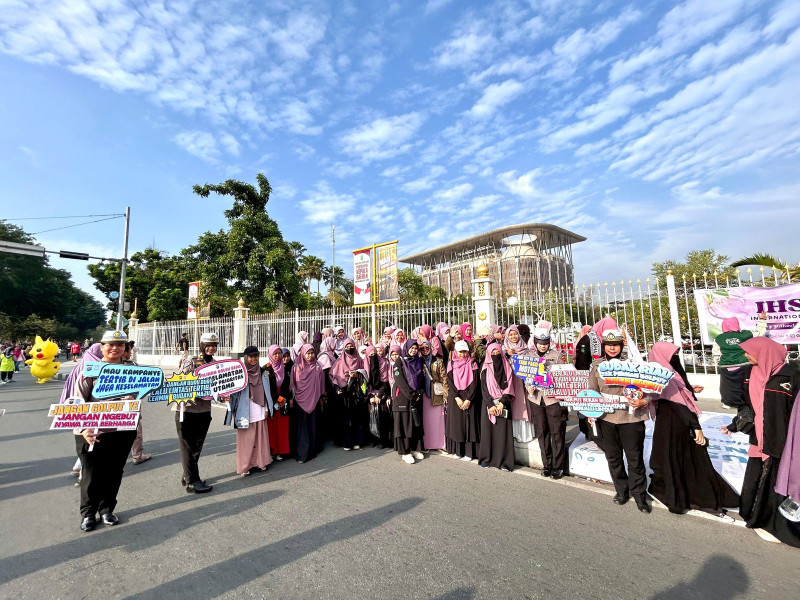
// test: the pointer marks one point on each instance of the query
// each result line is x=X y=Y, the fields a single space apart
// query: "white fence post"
x=673 y=313
x=296 y=321
x=239 y=329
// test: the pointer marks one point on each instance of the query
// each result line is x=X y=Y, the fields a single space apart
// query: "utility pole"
x=333 y=273
x=122 y=270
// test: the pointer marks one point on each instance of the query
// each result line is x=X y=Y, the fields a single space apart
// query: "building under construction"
x=525 y=260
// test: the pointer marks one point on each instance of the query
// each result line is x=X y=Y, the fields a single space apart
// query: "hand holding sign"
x=533 y=370
x=651 y=377
x=225 y=377
x=114 y=380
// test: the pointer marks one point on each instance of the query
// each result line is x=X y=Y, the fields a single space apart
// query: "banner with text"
x=362 y=276
x=650 y=378
x=532 y=369
x=77 y=414
x=386 y=280
x=781 y=305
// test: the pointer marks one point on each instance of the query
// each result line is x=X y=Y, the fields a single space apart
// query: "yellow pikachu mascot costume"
x=43 y=364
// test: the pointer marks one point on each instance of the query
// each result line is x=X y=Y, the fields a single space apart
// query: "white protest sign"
x=225 y=377
x=77 y=414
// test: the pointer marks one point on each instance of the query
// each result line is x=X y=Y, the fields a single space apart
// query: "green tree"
x=412 y=287
x=298 y=250
x=769 y=261
x=696 y=264
x=251 y=260
x=30 y=286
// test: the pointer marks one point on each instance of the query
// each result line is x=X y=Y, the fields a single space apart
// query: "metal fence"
x=642 y=305
x=161 y=338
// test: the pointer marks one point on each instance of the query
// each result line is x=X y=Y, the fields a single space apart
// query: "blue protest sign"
x=114 y=380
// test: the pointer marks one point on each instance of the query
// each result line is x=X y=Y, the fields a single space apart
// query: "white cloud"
x=465 y=48
x=198 y=143
x=495 y=96
x=454 y=193
x=230 y=143
x=323 y=205
x=425 y=182
x=434 y=5
x=31 y=155
x=382 y=138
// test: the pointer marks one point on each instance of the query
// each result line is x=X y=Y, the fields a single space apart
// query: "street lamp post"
x=124 y=261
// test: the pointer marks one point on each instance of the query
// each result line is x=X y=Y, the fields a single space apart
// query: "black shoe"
x=557 y=473
x=198 y=487
x=183 y=481
x=89 y=523
x=546 y=472
x=642 y=505
x=110 y=519
x=621 y=499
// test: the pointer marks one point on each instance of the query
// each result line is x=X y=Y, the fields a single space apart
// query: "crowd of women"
x=453 y=391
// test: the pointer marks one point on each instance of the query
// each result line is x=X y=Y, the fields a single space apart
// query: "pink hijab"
x=462 y=370
x=604 y=325
x=520 y=346
x=676 y=390
x=327 y=351
x=277 y=366
x=308 y=380
x=488 y=366
x=440 y=327
x=436 y=345
x=340 y=371
x=771 y=357
x=464 y=335
x=730 y=324
x=394 y=337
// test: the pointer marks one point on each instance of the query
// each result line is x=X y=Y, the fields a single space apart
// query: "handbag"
x=375 y=420
x=438 y=388
x=416 y=415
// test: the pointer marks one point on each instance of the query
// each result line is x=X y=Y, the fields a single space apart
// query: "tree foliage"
x=34 y=294
x=696 y=264
x=412 y=287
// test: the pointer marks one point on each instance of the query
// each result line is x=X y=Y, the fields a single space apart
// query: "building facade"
x=526 y=260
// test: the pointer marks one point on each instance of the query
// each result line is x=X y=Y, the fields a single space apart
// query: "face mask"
x=350 y=351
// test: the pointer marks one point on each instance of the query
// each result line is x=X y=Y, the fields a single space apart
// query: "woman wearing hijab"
x=300 y=340
x=432 y=403
x=399 y=337
x=339 y=336
x=280 y=390
x=683 y=477
x=331 y=410
x=407 y=403
x=360 y=337
x=466 y=333
x=513 y=343
x=548 y=415
x=345 y=378
x=248 y=413
x=377 y=368
x=771 y=390
x=463 y=404
x=102 y=452
x=316 y=342
x=497 y=387
x=442 y=331
x=308 y=386
x=192 y=429
x=583 y=350
x=92 y=354
x=622 y=431
x=733 y=366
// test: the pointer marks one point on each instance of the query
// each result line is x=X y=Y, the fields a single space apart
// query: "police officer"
x=196 y=420
x=622 y=430
x=549 y=417
x=102 y=453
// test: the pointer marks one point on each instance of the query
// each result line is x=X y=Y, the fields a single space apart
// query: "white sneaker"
x=466 y=459
x=347 y=449
x=725 y=406
x=444 y=453
x=408 y=459
x=725 y=518
x=356 y=447
x=418 y=455
x=767 y=536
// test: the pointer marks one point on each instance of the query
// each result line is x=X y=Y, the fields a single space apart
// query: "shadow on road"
x=134 y=536
x=458 y=594
x=229 y=574
x=720 y=578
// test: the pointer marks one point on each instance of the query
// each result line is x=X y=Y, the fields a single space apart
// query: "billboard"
x=780 y=304
x=191 y=311
x=362 y=276
x=386 y=273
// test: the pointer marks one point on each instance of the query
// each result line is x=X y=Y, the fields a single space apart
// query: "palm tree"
x=770 y=261
x=306 y=271
x=297 y=249
x=316 y=265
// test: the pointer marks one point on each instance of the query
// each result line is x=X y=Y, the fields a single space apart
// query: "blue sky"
x=650 y=128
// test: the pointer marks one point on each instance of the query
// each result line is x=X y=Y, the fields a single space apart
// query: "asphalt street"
x=345 y=525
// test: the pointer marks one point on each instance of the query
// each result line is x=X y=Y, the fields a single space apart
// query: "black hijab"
x=499 y=371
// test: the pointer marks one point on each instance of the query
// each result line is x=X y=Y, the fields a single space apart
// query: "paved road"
x=346 y=525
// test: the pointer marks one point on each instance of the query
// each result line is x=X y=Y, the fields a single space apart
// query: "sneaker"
x=466 y=459
x=278 y=457
x=767 y=536
x=408 y=459
x=418 y=455
x=725 y=518
x=347 y=449
x=356 y=447
x=444 y=453
x=726 y=406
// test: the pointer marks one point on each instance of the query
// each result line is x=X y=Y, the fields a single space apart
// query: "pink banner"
x=780 y=304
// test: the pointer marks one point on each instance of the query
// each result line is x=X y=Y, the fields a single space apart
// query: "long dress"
x=252 y=444
x=683 y=477
x=308 y=443
x=278 y=424
x=407 y=436
x=432 y=416
x=463 y=426
x=497 y=439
